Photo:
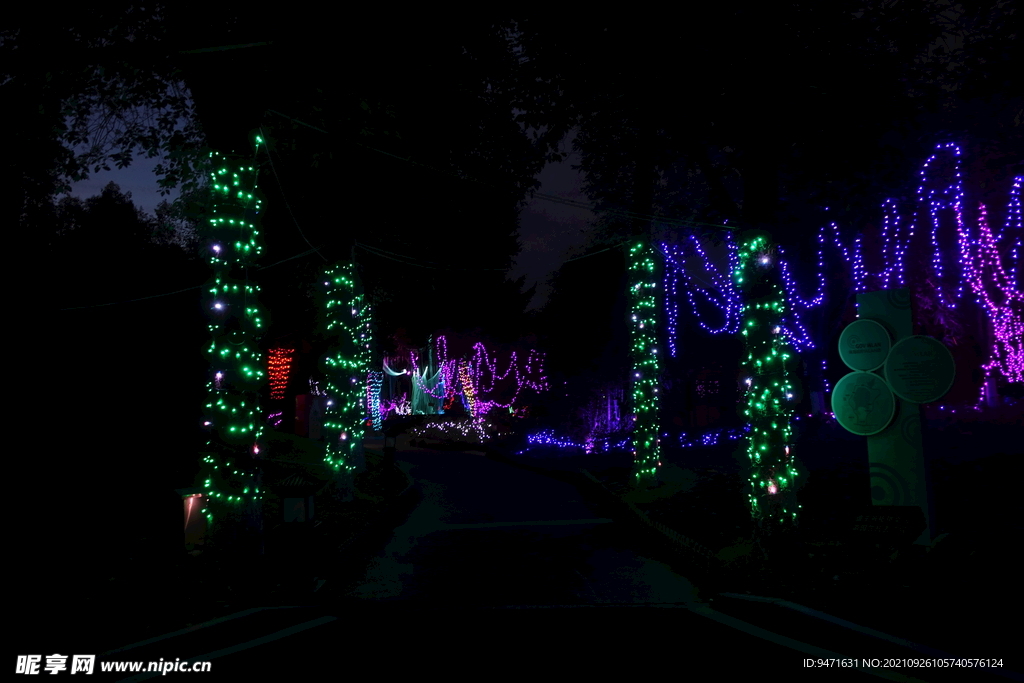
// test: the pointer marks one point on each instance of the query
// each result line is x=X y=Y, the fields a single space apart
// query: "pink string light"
x=1003 y=302
x=480 y=376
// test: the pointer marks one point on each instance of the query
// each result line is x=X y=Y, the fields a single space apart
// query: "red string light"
x=279 y=366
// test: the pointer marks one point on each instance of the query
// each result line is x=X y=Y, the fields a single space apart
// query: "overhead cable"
x=285 y=198
x=680 y=222
x=187 y=289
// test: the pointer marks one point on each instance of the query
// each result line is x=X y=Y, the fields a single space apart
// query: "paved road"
x=509 y=565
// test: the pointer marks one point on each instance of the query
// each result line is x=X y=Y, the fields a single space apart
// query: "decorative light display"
x=374 y=382
x=1002 y=301
x=599 y=445
x=1011 y=232
x=711 y=438
x=548 y=438
x=475 y=378
x=645 y=363
x=768 y=404
x=349 y=326
x=478 y=429
x=400 y=405
x=468 y=390
x=721 y=292
x=230 y=471
x=279 y=366
x=939 y=204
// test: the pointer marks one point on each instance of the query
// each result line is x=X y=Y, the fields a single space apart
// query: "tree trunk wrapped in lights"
x=769 y=394
x=230 y=467
x=645 y=364
x=349 y=329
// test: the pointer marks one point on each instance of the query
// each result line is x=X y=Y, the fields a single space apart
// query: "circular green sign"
x=920 y=369
x=864 y=344
x=862 y=403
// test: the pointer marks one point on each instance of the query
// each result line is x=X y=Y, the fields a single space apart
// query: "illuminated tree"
x=350 y=332
x=645 y=365
x=231 y=474
x=769 y=393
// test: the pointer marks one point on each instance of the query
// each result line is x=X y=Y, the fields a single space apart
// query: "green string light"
x=645 y=363
x=349 y=324
x=232 y=410
x=768 y=402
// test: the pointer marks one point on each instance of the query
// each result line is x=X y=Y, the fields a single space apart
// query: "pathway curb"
x=704 y=557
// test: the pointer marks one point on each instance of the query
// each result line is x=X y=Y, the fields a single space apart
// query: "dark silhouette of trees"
x=755 y=115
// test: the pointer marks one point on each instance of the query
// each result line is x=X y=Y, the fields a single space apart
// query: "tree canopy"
x=428 y=145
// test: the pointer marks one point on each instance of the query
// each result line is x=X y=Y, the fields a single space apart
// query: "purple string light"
x=528 y=375
x=721 y=293
x=1004 y=304
x=981 y=267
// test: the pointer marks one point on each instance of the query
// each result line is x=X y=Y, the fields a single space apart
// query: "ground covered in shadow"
x=948 y=596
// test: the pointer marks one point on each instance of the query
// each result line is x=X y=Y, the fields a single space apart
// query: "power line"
x=187 y=289
x=382 y=254
x=222 y=48
x=130 y=301
x=599 y=251
x=679 y=222
x=285 y=198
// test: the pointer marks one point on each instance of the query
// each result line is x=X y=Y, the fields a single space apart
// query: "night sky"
x=549 y=232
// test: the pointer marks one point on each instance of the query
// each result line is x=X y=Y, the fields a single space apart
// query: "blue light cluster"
x=548 y=438
x=710 y=438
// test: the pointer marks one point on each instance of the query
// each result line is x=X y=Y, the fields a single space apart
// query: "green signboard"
x=864 y=344
x=862 y=403
x=920 y=369
x=916 y=370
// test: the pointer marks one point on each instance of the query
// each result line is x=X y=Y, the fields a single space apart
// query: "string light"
x=374 y=382
x=939 y=203
x=279 y=365
x=711 y=438
x=478 y=376
x=349 y=326
x=454 y=429
x=592 y=445
x=1004 y=304
x=236 y=324
x=646 y=366
x=726 y=300
x=767 y=404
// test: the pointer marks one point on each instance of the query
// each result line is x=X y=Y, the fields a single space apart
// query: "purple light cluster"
x=483 y=375
x=1004 y=303
x=938 y=202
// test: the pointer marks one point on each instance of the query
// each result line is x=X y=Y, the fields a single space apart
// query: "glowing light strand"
x=646 y=365
x=349 y=326
x=279 y=365
x=768 y=396
x=236 y=324
x=1004 y=304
